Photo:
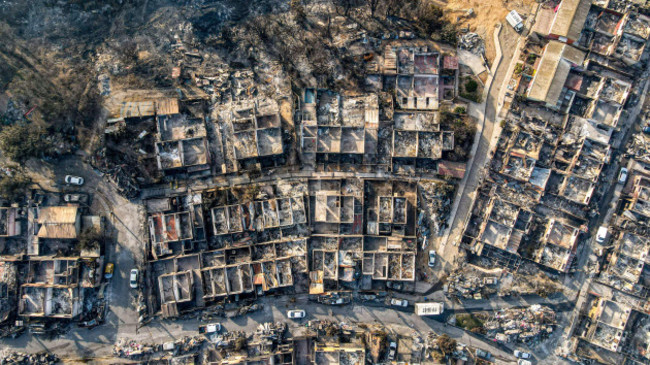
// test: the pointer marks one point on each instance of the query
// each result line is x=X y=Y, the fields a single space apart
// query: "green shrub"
x=471 y=97
x=459 y=110
x=471 y=86
x=518 y=69
x=468 y=322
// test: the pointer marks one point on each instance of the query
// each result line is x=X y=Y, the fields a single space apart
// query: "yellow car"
x=108 y=271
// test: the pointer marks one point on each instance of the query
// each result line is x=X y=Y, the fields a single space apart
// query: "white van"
x=514 y=19
x=601 y=235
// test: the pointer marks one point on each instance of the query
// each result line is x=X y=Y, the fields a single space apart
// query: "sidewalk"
x=492 y=133
x=478 y=111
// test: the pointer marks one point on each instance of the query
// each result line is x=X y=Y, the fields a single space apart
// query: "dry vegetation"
x=55 y=53
x=487 y=14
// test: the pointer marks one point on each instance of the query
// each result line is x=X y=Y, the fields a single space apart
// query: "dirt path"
x=486 y=15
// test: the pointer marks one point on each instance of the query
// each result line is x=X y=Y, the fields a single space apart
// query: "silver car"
x=133 y=279
x=74 y=180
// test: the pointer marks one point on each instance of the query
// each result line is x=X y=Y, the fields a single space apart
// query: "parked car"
x=521 y=355
x=524 y=362
x=74 y=180
x=399 y=302
x=483 y=354
x=296 y=314
x=210 y=328
x=133 y=278
x=108 y=270
x=392 y=350
x=601 y=235
x=432 y=258
x=72 y=198
x=622 y=176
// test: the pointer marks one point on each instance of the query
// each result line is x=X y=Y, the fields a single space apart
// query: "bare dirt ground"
x=487 y=14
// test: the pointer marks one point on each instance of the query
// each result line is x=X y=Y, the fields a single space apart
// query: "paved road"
x=98 y=341
x=466 y=196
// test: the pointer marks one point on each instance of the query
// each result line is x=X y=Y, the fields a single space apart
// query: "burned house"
x=362 y=230
x=9 y=223
x=420 y=75
x=504 y=227
x=51 y=289
x=249 y=247
x=638 y=209
x=336 y=243
x=258 y=215
x=601 y=31
x=628 y=270
x=168 y=229
x=609 y=322
x=338 y=353
x=176 y=224
x=249 y=135
x=182 y=144
x=598 y=94
x=339 y=129
x=558 y=246
x=418 y=142
x=418 y=78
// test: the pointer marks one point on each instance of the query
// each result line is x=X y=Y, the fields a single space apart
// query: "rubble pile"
x=472 y=282
x=122 y=175
x=528 y=325
x=473 y=43
x=435 y=201
x=23 y=358
x=127 y=348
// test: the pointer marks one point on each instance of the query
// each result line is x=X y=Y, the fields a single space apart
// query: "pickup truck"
x=210 y=328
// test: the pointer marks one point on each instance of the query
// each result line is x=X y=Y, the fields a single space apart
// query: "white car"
x=601 y=234
x=74 y=180
x=133 y=279
x=392 y=350
x=622 y=176
x=522 y=355
x=432 y=258
x=524 y=362
x=296 y=314
x=210 y=328
x=399 y=302
x=72 y=198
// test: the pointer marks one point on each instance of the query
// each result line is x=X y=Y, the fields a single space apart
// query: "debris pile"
x=129 y=348
x=132 y=349
x=527 y=325
x=23 y=358
x=473 y=43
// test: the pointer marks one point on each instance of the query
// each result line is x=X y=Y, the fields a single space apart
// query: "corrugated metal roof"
x=59 y=230
x=64 y=214
x=57 y=222
x=570 y=18
x=145 y=108
x=166 y=106
x=553 y=71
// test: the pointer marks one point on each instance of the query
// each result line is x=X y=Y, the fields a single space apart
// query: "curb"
x=477 y=136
